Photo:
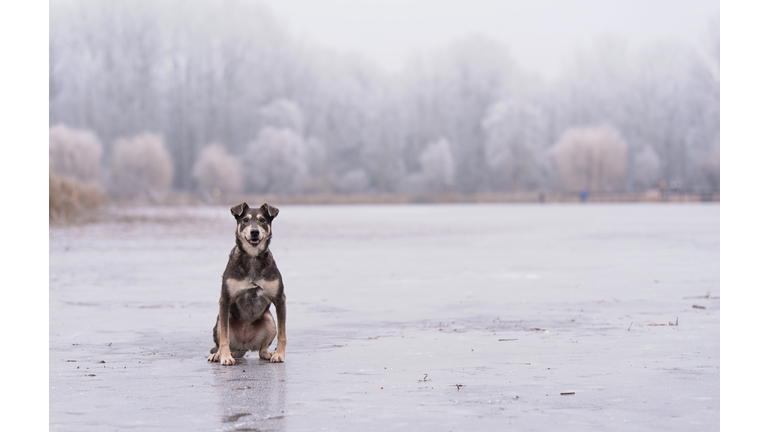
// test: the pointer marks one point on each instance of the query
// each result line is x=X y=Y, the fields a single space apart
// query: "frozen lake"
x=434 y=317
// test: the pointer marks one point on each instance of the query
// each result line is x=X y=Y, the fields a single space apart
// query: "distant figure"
x=584 y=195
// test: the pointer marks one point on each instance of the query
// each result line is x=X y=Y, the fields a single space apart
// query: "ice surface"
x=501 y=307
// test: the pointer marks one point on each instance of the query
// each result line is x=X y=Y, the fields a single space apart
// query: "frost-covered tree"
x=141 y=166
x=184 y=68
x=345 y=111
x=645 y=92
x=276 y=162
x=711 y=167
x=515 y=145
x=447 y=93
x=437 y=171
x=438 y=166
x=355 y=181
x=316 y=157
x=708 y=162
x=702 y=105
x=282 y=114
x=591 y=159
x=217 y=170
x=197 y=72
x=655 y=107
x=645 y=173
x=74 y=153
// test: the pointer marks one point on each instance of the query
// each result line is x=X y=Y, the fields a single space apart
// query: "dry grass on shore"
x=387 y=198
x=71 y=201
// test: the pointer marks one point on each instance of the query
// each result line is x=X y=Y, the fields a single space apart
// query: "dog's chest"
x=269 y=287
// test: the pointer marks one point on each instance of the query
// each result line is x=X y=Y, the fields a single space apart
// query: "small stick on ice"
x=630 y=325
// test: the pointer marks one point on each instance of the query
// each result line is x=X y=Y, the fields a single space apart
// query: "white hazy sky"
x=540 y=34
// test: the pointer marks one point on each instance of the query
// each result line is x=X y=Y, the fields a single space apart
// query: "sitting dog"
x=250 y=284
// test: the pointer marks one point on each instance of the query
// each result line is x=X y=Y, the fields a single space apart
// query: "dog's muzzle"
x=253 y=237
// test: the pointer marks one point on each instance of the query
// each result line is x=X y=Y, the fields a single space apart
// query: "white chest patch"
x=235 y=285
x=270 y=287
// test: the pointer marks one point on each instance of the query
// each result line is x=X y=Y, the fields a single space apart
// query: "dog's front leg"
x=224 y=354
x=279 y=354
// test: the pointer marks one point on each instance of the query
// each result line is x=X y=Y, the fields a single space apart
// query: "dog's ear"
x=238 y=210
x=270 y=210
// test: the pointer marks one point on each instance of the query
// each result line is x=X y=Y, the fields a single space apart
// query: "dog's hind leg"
x=238 y=354
x=268 y=335
x=215 y=349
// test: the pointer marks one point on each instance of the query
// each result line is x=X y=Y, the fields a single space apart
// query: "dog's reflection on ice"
x=252 y=394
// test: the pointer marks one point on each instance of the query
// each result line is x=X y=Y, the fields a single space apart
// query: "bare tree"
x=218 y=172
x=591 y=159
x=141 y=166
x=75 y=153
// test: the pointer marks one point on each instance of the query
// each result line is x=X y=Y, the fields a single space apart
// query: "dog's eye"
x=246 y=220
x=261 y=218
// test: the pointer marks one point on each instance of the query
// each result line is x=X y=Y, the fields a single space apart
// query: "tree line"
x=203 y=95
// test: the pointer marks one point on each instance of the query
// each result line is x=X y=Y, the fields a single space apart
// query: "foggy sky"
x=540 y=34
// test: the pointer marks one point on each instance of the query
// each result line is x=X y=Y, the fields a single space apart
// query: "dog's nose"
x=254 y=233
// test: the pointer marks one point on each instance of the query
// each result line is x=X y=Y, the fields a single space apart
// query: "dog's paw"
x=277 y=357
x=214 y=357
x=266 y=355
x=227 y=360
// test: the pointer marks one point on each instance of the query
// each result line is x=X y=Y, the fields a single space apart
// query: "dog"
x=250 y=284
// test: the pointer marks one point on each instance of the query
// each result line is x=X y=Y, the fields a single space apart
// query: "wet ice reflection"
x=251 y=394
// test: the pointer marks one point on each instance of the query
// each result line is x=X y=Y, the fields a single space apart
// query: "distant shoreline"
x=652 y=196
x=113 y=209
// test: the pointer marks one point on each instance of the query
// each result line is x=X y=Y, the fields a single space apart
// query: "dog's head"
x=254 y=227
